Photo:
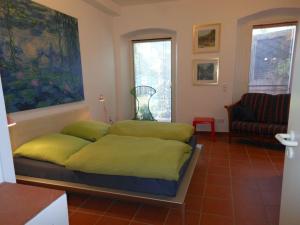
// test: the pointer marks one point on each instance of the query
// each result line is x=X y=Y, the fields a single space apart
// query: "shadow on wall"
x=244 y=39
x=124 y=67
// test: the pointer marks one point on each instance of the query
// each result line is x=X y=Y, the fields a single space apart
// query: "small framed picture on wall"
x=206 y=38
x=206 y=71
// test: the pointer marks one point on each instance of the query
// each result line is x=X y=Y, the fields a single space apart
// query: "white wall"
x=97 y=58
x=180 y=16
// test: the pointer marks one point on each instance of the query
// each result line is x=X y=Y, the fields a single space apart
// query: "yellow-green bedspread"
x=132 y=156
x=139 y=128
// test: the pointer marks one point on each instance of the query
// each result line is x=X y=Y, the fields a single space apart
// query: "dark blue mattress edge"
x=46 y=170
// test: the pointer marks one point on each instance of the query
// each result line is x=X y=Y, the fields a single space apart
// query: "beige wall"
x=180 y=16
x=96 y=45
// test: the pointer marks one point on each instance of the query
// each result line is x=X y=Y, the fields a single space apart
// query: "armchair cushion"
x=260 y=105
x=258 y=128
x=243 y=113
x=272 y=129
x=280 y=109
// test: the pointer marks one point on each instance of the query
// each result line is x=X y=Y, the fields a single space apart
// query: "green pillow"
x=138 y=128
x=55 y=148
x=89 y=130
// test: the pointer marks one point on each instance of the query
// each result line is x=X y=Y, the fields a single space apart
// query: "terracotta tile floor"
x=233 y=184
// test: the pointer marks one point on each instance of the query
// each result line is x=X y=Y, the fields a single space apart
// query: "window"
x=152 y=67
x=271 y=58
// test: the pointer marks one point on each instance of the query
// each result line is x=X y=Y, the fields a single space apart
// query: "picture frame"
x=41 y=64
x=206 y=71
x=206 y=38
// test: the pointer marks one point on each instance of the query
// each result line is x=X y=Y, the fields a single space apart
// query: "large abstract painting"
x=40 y=62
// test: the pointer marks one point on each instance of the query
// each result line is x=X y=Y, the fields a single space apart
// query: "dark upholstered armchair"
x=259 y=115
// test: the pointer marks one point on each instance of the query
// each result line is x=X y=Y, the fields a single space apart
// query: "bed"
x=46 y=170
x=157 y=191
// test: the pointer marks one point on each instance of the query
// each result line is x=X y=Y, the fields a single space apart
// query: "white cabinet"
x=30 y=205
x=55 y=214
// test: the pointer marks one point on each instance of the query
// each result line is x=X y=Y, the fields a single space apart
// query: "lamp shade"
x=10 y=121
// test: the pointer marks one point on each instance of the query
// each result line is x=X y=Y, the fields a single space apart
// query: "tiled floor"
x=233 y=184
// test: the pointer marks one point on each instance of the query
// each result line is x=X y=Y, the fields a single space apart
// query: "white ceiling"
x=136 y=2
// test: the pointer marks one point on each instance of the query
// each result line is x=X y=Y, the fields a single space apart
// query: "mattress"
x=46 y=170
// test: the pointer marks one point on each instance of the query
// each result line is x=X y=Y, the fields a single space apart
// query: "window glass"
x=152 y=67
x=271 y=59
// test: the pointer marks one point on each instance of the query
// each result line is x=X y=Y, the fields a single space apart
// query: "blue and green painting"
x=40 y=62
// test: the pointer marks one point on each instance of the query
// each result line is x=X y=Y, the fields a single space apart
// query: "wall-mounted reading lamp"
x=101 y=99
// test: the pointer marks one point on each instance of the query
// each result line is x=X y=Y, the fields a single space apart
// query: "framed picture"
x=205 y=71
x=206 y=38
x=40 y=57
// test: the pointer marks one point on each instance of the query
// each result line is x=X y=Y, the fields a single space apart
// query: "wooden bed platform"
x=26 y=130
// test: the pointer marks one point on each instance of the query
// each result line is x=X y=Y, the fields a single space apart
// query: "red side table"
x=206 y=120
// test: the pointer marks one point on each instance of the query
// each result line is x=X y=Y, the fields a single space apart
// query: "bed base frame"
x=175 y=202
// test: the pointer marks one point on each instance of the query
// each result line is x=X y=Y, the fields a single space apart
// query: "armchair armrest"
x=230 y=113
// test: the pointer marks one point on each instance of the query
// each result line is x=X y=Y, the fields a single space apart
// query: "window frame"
x=156 y=38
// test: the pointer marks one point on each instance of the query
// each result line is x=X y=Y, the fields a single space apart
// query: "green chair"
x=143 y=95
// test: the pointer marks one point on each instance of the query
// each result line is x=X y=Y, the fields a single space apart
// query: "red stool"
x=206 y=120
